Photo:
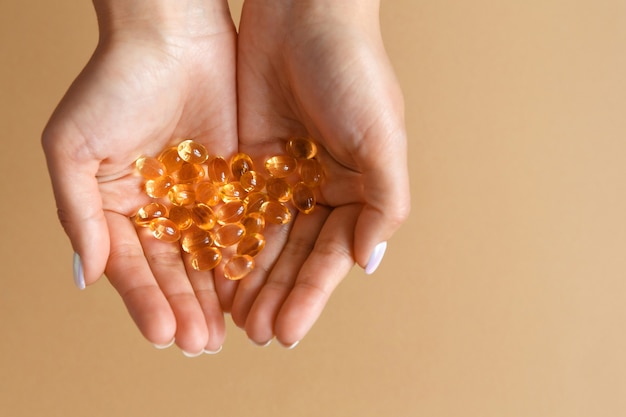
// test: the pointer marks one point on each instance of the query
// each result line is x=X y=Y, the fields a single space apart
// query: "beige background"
x=503 y=295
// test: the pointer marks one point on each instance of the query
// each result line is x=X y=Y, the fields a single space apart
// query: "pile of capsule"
x=209 y=204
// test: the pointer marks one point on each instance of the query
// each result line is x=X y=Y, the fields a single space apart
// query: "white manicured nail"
x=213 y=352
x=79 y=276
x=376 y=258
x=192 y=355
x=293 y=345
x=165 y=346
x=261 y=344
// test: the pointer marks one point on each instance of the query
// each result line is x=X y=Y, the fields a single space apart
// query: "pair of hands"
x=164 y=73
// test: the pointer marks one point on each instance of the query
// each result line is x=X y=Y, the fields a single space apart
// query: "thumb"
x=79 y=204
x=386 y=195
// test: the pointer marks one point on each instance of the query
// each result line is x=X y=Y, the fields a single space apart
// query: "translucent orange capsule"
x=219 y=170
x=164 y=229
x=181 y=217
x=301 y=148
x=149 y=168
x=189 y=173
x=240 y=164
x=149 y=212
x=251 y=245
x=252 y=181
x=194 y=239
x=303 y=198
x=192 y=152
x=229 y=235
x=182 y=194
x=238 y=267
x=170 y=159
x=230 y=212
x=254 y=201
x=311 y=172
x=232 y=191
x=253 y=223
x=159 y=187
x=278 y=189
x=208 y=193
x=203 y=216
x=206 y=259
x=276 y=212
x=280 y=166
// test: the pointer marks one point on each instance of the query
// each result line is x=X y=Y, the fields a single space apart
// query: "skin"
x=150 y=81
x=319 y=69
x=162 y=72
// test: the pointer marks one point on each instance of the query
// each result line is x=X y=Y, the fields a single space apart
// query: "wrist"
x=162 y=18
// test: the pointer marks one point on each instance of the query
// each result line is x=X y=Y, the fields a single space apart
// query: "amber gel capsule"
x=181 y=217
x=301 y=148
x=303 y=198
x=189 y=174
x=192 y=152
x=254 y=201
x=194 y=239
x=238 y=267
x=219 y=170
x=203 y=216
x=254 y=223
x=251 y=245
x=149 y=212
x=229 y=235
x=164 y=229
x=232 y=191
x=278 y=189
x=182 y=194
x=281 y=166
x=311 y=172
x=252 y=181
x=276 y=212
x=170 y=158
x=158 y=188
x=231 y=212
x=240 y=164
x=208 y=193
x=206 y=259
x=149 y=168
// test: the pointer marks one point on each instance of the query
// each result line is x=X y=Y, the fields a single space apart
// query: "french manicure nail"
x=192 y=355
x=213 y=352
x=261 y=344
x=293 y=345
x=79 y=276
x=376 y=258
x=165 y=346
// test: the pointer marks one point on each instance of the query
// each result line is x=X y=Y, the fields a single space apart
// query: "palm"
x=303 y=80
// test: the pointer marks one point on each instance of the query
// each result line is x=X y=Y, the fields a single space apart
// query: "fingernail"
x=292 y=345
x=213 y=352
x=79 y=277
x=376 y=258
x=192 y=355
x=261 y=344
x=165 y=346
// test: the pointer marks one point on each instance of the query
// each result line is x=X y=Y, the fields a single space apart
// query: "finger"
x=386 y=194
x=79 y=205
x=263 y=312
x=276 y=236
x=166 y=264
x=129 y=273
x=326 y=266
x=204 y=287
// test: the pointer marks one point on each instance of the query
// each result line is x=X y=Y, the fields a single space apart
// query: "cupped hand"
x=145 y=87
x=318 y=69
